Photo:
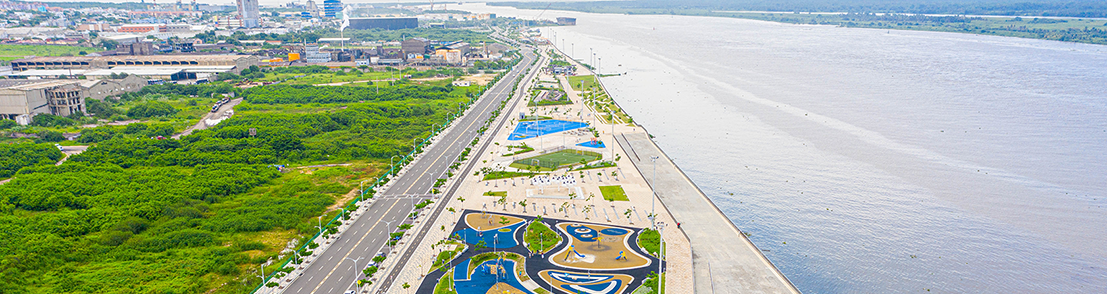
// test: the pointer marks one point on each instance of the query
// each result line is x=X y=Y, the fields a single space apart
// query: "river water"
x=867 y=160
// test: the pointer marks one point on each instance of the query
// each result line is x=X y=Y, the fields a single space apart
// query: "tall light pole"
x=388 y=229
x=413 y=147
x=660 y=255
x=356 y=288
x=653 y=201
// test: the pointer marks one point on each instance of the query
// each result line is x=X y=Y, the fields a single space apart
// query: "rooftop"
x=130 y=58
x=35 y=84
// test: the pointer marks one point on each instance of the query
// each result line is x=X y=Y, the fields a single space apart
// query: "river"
x=865 y=160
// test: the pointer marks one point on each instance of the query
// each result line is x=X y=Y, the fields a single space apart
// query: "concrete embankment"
x=723 y=259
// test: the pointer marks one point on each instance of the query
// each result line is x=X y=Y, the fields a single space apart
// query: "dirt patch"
x=490 y=221
x=503 y=288
x=345 y=199
x=479 y=79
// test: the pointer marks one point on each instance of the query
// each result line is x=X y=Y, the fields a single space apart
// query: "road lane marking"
x=348 y=252
x=441 y=154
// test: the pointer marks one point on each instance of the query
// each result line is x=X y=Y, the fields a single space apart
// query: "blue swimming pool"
x=498 y=238
x=532 y=129
x=589 y=144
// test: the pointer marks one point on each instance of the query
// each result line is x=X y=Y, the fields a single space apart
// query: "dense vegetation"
x=139 y=214
x=283 y=94
x=16 y=156
x=81 y=228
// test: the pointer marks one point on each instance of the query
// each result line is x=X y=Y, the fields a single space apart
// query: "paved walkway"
x=203 y=123
x=724 y=260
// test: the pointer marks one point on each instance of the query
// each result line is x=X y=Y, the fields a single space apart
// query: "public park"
x=508 y=253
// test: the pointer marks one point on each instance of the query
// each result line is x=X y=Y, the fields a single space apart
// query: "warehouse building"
x=100 y=89
x=21 y=100
x=239 y=62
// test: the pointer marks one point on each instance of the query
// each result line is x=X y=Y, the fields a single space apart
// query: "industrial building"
x=388 y=23
x=100 y=89
x=21 y=100
x=239 y=62
x=332 y=8
x=415 y=46
x=567 y=21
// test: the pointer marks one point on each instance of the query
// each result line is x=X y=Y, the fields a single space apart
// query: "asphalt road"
x=418 y=237
x=332 y=272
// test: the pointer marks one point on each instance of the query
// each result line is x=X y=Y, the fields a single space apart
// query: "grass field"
x=556 y=160
x=598 y=99
x=496 y=193
x=614 y=193
x=504 y=174
x=575 y=81
x=540 y=238
x=13 y=52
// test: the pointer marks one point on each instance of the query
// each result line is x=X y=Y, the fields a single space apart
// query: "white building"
x=248 y=9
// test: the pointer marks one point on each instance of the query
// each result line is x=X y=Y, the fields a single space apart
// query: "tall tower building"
x=332 y=8
x=248 y=10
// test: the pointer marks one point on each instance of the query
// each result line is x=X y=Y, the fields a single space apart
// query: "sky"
x=281 y=2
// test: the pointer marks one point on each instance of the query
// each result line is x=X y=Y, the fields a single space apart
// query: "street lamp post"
x=413 y=147
x=660 y=255
x=361 y=187
x=356 y=288
x=653 y=201
x=389 y=230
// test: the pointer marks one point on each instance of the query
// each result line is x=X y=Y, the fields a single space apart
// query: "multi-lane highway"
x=387 y=282
x=334 y=270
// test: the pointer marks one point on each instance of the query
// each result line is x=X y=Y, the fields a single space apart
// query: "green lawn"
x=614 y=193
x=650 y=240
x=555 y=160
x=496 y=193
x=540 y=237
x=445 y=257
x=12 y=52
x=588 y=80
x=444 y=284
x=523 y=148
x=504 y=174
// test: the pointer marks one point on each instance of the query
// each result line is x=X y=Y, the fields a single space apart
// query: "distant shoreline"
x=1090 y=30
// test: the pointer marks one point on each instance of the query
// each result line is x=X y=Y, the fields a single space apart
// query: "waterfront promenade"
x=723 y=259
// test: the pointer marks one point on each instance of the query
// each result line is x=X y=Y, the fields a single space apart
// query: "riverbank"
x=723 y=258
x=1067 y=29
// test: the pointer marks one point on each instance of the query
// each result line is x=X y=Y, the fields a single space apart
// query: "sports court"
x=533 y=129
